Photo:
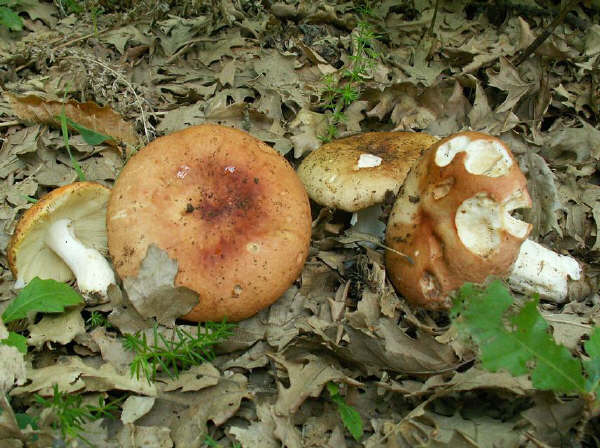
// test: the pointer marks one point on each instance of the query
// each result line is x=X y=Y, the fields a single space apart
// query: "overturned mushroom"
x=226 y=206
x=63 y=237
x=453 y=220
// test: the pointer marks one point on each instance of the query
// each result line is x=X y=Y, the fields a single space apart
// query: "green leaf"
x=90 y=136
x=592 y=366
x=72 y=6
x=46 y=296
x=525 y=346
x=10 y=19
x=16 y=340
x=24 y=420
x=350 y=417
x=333 y=389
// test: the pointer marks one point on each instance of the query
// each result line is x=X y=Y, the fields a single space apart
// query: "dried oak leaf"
x=153 y=293
x=307 y=378
x=103 y=120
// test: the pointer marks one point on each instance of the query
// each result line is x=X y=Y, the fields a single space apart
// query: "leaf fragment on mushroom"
x=152 y=291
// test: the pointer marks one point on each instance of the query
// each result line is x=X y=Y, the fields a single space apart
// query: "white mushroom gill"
x=91 y=269
x=484 y=157
x=542 y=271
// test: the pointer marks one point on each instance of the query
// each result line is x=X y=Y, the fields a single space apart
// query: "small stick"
x=7 y=124
x=432 y=24
x=546 y=33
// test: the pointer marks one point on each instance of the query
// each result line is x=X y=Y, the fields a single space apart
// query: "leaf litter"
x=141 y=71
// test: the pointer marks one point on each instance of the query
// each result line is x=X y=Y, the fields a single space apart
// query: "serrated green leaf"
x=526 y=347
x=10 y=19
x=16 y=340
x=90 y=136
x=45 y=296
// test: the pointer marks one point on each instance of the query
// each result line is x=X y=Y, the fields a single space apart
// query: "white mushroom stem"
x=542 y=271
x=91 y=269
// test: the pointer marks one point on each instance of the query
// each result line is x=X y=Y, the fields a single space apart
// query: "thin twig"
x=429 y=32
x=80 y=38
x=7 y=124
x=546 y=33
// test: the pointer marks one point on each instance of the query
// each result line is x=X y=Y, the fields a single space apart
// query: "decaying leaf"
x=35 y=109
x=12 y=367
x=62 y=328
x=135 y=407
x=307 y=378
x=152 y=291
x=196 y=378
x=217 y=403
x=71 y=374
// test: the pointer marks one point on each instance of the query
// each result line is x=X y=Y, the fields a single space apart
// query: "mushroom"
x=453 y=219
x=63 y=237
x=355 y=173
x=226 y=206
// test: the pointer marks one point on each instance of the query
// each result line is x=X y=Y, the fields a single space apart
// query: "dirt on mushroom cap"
x=222 y=203
x=423 y=223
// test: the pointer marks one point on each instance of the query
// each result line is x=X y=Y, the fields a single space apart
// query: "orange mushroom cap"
x=226 y=206
x=452 y=219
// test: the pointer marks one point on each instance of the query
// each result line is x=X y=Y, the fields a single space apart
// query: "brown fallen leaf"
x=104 y=120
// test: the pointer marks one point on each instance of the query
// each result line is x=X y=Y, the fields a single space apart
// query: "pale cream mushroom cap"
x=84 y=204
x=356 y=172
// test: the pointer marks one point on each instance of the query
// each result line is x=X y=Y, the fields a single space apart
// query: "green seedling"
x=349 y=415
x=342 y=89
x=171 y=356
x=71 y=414
x=97 y=319
x=520 y=342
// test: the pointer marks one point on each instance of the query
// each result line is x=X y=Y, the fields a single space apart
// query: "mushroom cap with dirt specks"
x=84 y=203
x=354 y=173
x=226 y=206
x=453 y=218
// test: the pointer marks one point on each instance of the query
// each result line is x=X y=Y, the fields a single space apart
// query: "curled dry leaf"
x=103 y=120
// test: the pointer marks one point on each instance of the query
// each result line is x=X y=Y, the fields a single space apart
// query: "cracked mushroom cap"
x=84 y=204
x=452 y=219
x=356 y=172
x=226 y=206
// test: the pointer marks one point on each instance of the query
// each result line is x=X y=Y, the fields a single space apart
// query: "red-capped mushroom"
x=453 y=219
x=226 y=206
